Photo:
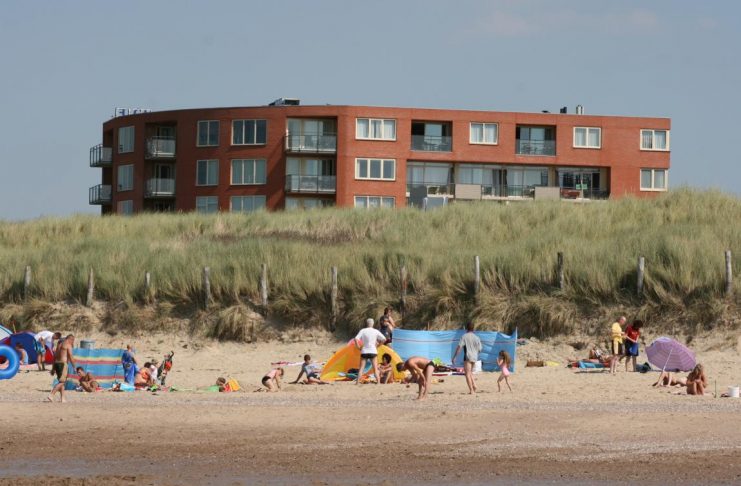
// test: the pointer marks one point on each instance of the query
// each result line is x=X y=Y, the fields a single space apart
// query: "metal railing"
x=569 y=193
x=100 y=156
x=160 y=147
x=311 y=184
x=429 y=143
x=433 y=188
x=311 y=143
x=536 y=147
x=160 y=188
x=100 y=194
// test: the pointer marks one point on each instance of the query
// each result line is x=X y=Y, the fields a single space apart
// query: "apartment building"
x=290 y=156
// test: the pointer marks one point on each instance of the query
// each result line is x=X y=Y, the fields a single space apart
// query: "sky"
x=65 y=66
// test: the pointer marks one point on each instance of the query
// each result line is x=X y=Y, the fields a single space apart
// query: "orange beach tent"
x=348 y=357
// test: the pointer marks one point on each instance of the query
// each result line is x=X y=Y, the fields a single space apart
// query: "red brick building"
x=289 y=156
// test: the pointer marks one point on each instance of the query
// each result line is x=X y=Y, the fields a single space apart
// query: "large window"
x=207 y=204
x=375 y=169
x=654 y=139
x=307 y=203
x=374 y=202
x=654 y=179
x=247 y=203
x=429 y=174
x=485 y=133
x=532 y=140
x=208 y=133
x=249 y=132
x=248 y=171
x=587 y=137
x=125 y=207
x=125 y=177
x=207 y=172
x=375 y=129
x=311 y=135
x=125 y=140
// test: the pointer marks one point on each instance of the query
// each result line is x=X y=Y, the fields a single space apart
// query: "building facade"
x=288 y=156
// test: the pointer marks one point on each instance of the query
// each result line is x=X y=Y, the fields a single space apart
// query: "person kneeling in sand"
x=308 y=369
x=697 y=381
x=271 y=380
x=87 y=381
x=422 y=369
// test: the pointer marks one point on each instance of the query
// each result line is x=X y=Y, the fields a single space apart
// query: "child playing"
x=308 y=369
x=504 y=362
x=271 y=380
x=384 y=369
x=22 y=354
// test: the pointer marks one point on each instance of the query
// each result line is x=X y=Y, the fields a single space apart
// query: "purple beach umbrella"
x=667 y=354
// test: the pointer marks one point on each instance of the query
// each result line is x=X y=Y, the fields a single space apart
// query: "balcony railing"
x=311 y=184
x=429 y=143
x=308 y=143
x=536 y=147
x=100 y=156
x=100 y=194
x=160 y=188
x=433 y=188
x=568 y=193
x=160 y=147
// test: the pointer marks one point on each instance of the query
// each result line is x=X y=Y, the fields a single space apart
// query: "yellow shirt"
x=617 y=332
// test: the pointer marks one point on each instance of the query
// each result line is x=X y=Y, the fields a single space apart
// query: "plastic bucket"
x=733 y=391
x=87 y=344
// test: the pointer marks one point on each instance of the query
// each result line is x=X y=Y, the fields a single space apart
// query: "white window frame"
x=586 y=138
x=125 y=208
x=653 y=187
x=120 y=187
x=126 y=139
x=209 y=201
x=483 y=131
x=254 y=172
x=367 y=200
x=208 y=162
x=369 y=161
x=383 y=136
x=260 y=197
x=208 y=133
x=653 y=139
x=244 y=137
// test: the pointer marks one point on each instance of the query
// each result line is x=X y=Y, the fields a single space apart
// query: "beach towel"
x=588 y=365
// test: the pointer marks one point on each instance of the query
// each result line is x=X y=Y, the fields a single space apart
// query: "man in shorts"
x=367 y=341
x=421 y=369
x=471 y=345
x=62 y=356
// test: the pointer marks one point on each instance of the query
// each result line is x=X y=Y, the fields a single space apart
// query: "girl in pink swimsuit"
x=504 y=362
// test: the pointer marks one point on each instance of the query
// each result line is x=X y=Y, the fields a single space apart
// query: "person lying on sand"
x=87 y=381
x=271 y=380
x=667 y=378
x=697 y=381
x=308 y=369
x=422 y=369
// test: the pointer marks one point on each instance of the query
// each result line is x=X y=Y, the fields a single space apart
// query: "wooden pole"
x=729 y=274
x=264 y=287
x=403 y=291
x=147 y=287
x=333 y=301
x=90 y=289
x=206 y=286
x=27 y=282
x=639 y=282
x=476 y=276
x=561 y=282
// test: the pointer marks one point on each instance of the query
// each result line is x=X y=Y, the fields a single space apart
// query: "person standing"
x=616 y=341
x=367 y=341
x=62 y=356
x=632 y=333
x=387 y=325
x=471 y=345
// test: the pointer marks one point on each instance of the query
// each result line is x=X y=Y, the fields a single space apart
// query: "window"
x=125 y=140
x=125 y=207
x=654 y=139
x=207 y=204
x=375 y=169
x=208 y=133
x=535 y=140
x=654 y=179
x=432 y=136
x=248 y=171
x=587 y=137
x=307 y=203
x=375 y=129
x=485 y=133
x=374 y=202
x=125 y=177
x=247 y=203
x=207 y=173
x=249 y=132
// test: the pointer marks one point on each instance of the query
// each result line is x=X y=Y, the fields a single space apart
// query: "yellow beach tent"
x=348 y=357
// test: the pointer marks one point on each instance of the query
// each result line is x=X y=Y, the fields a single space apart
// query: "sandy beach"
x=558 y=426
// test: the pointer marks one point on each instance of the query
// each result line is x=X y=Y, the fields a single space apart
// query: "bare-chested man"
x=421 y=369
x=62 y=355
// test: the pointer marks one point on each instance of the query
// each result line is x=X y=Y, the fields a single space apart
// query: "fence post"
x=90 y=289
x=27 y=282
x=559 y=271
x=639 y=282
x=729 y=274
x=206 y=286
x=476 y=277
x=264 y=287
x=403 y=290
x=147 y=287
x=333 y=301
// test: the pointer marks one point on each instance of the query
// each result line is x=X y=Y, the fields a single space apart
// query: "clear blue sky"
x=67 y=64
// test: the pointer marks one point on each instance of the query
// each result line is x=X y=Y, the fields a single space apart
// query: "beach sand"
x=558 y=426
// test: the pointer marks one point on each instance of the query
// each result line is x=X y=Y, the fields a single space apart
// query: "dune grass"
x=682 y=235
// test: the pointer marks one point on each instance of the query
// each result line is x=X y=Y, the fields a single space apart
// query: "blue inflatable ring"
x=9 y=354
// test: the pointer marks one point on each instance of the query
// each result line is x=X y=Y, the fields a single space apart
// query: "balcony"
x=313 y=144
x=100 y=194
x=430 y=143
x=160 y=188
x=569 y=193
x=160 y=148
x=536 y=147
x=101 y=156
x=311 y=184
x=432 y=188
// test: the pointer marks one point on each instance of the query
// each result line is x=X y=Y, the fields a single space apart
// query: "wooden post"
x=264 y=287
x=206 y=286
x=639 y=282
x=729 y=274
x=403 y=291
x=90 y=289
x=147 y=287
x=27 y=282
x=333 y=301
x=476 y=276
x=561 y=282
